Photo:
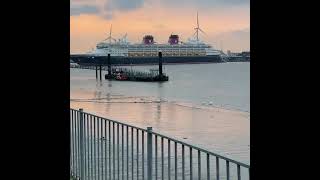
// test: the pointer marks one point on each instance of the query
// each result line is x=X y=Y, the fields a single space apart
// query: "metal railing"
x=106 y=149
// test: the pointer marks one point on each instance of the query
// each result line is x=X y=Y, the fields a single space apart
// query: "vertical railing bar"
x=162 y=160
x=137 y=153
x=208 y=166
x=239 y=172
x=95 y=148
x=169 y=156
x=80 y=145
x=156 y=155
x=84 y=148
x=127 y=152
x=109 y=149
x=199 y=165
x=113 y=152
x=83 y=143
x=183 y=173
x=217 y=168
x=98 y=148
x=73 y=146
x=105 y=149
x=70 y=135
x=88 y=146
x=101 y=150
x=118 y=149
x=142 y=154
x=122 y=152
x=228 y=170
x=91 y=144
x=132 y=144
x=149 y=153
x=190 y=163
x=175 y=161
x=77 y=140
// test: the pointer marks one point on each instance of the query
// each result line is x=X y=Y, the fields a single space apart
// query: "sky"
x=226 y=23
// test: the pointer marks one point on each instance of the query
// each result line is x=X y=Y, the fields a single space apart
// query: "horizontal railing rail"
x=107 y=149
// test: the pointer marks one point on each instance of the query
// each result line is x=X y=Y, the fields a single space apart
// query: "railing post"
x=149 y=153
x=81 y=145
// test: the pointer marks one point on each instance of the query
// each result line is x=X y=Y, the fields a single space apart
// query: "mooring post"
x=100 y=72
x=149 y=153
x=160 y=63
x=96 y=72
x=81 y=144
x=109 y=65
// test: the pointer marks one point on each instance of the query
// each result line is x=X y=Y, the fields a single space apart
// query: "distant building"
x=238 y=56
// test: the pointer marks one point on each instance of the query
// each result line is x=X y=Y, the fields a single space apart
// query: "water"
x=204 y=104
x=226 y=85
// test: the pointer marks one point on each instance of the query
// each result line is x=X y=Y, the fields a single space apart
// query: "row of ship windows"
x=154 y=47
x=172 y=49
x=165 y=54
x=166 y=50
x=201 y=51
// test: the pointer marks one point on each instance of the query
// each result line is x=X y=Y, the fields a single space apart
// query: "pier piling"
x=96 y=72
x=160 y=63
x=100 y=72
x=109 y=65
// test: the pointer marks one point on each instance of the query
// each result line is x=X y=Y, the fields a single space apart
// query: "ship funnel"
x=173 y=39
x=148 y=39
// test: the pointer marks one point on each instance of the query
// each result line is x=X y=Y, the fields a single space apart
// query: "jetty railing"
x=102 y=149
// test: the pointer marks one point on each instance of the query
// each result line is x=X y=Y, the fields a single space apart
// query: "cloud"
x=108 y=8
x=200 y=5
x=123 y=5
x=76 y=10
x=112 y=6
x=104 y=8
x=205 y=3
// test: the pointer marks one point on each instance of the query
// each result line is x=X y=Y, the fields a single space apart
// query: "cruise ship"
x=174 y=51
